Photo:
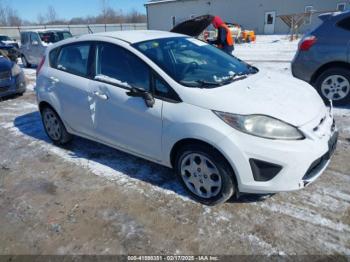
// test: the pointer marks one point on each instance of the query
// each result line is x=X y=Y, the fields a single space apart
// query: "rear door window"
x=74 y=59
x=24 y=38
x=117 y=65
x=345 y=24
x=34 y=37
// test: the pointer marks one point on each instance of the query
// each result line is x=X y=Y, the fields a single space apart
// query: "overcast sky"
x=66 y=9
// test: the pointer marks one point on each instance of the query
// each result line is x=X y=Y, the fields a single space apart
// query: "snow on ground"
x=274 y=48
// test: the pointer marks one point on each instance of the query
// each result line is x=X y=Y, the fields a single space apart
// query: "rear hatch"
x=193 y=27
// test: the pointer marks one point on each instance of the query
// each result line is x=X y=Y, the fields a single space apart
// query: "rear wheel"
x=25 y=62
x=54 y=127
x=205 y=174
x=334 y=84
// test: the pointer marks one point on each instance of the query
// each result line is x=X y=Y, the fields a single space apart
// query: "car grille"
x=320 y=163
x=5 y=76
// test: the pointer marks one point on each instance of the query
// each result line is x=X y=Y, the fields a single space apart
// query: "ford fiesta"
x=223 y=125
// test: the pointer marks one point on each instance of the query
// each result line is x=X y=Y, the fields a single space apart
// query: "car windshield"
x=53 y=37
x=4 y=38
x=194 y=63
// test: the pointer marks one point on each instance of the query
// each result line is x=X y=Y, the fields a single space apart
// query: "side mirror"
x=35 y=43
x=148 y=97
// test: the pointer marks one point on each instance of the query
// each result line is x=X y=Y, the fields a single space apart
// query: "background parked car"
x=12 y=79
x=323 y=58
x=8 y=41
x=34 y=43
x=9 y=47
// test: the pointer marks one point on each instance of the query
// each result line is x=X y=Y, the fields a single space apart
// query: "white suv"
x=223 y=125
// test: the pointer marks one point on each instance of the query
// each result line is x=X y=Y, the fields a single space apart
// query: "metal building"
x=258 y=15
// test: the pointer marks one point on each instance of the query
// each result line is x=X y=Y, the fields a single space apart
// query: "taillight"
x=40 y=65
x=307 y=43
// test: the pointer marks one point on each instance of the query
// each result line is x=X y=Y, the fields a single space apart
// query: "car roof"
x=44 y=30
x=334 y=15
x=136 y=36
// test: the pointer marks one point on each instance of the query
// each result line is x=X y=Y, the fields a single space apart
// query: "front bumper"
x=13 y=85
x=302 y=161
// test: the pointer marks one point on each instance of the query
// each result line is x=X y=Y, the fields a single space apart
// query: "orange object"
x=229 y=37
x=248 y=36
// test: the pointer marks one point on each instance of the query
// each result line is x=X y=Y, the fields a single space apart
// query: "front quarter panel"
x=185 y=121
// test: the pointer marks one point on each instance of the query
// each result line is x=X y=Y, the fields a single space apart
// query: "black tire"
x=60 y=136
x=345 y=73
x=228 y=184
x=25 y=62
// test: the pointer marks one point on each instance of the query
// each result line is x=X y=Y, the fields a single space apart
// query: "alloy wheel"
x=335 y=87
x=52 y=125
x=201 y=176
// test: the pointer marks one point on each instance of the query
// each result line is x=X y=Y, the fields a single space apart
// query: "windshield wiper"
x=235 y=77
x=200 y=84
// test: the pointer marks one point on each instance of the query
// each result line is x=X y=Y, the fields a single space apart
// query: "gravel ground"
x=87 y=198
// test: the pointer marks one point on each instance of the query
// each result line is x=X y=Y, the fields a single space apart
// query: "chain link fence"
x=14 y=32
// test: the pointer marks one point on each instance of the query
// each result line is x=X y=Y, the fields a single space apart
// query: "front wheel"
x=205 y=174
x=334 y=84
x=54 y=127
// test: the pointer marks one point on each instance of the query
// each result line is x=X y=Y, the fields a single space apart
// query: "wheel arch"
x=327 y=66
x=186 y=141
x=44 y=104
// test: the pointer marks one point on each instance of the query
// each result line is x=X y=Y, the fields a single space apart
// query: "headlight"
x=262 y=126
x=16 y=70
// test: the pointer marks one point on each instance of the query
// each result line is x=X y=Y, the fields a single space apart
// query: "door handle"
x=54 y=79
x=102 y=96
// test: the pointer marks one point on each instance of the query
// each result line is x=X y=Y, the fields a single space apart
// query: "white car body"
x=152 y=133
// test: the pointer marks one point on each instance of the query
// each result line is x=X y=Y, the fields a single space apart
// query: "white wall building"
x=258 y=15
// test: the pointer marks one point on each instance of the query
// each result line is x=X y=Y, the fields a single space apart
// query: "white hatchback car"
x=223 y=125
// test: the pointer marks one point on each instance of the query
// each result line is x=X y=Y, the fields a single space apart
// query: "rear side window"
x=74 y=59
x=24 y=38
x=118 y=65
x=53 y=57
x=34 y=37
x=345 y=23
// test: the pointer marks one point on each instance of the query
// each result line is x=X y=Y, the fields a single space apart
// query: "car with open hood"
x=224 y=126
x=9 y=47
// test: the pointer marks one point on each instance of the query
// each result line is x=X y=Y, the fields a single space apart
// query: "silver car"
x=323 y=58
x=34 y=43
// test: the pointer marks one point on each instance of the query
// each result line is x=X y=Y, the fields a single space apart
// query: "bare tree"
x=12 y=17
x=105 y=9
x=3 y=16
x=41 y=19
x=136 y=17
x=51 y=14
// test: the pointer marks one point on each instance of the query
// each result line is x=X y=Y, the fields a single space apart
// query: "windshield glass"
x=194 y=63
x=4 y=38
x=53 y=37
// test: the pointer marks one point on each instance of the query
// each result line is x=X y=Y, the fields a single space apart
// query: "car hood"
x=9 y=42
x=5 y=64
x=266 y=93
x=193 y=27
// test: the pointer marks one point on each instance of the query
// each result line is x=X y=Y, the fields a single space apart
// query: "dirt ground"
x=87 y=198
